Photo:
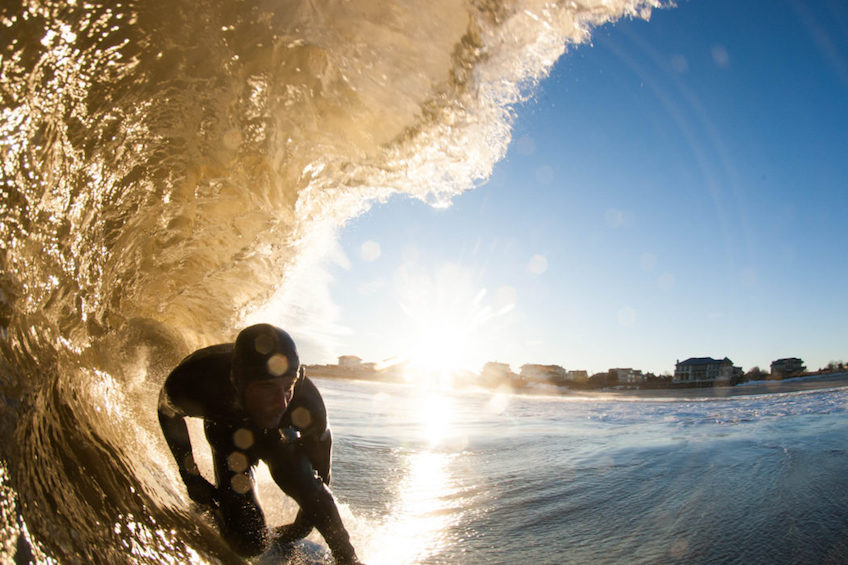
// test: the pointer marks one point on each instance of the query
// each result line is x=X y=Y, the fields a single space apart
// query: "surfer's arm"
x=310 y=416
x=319 y=451
x=294 y=473
x=174 y=428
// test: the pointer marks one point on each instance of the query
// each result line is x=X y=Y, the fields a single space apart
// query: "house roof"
x=704 y=361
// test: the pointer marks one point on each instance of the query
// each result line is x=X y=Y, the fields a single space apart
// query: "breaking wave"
x=165 y=166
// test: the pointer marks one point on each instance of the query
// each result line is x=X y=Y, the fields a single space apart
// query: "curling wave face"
x=163 y=164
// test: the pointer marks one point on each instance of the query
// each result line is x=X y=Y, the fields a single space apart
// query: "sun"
x=446 y=320
x=445 y=344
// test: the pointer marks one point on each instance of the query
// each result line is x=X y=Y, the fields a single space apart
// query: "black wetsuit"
x=297 y=454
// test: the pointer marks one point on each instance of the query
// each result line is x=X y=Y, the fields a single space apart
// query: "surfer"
x=256 y=404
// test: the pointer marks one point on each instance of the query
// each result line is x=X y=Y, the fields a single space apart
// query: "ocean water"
x=171 y=168
x=474 y=477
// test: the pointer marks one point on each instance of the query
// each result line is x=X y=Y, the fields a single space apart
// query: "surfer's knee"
x=248 y=544
x=292 y=471
x=246 y=541
x=242 y=524
x=305 y=480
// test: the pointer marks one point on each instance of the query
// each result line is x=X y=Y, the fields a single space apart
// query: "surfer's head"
x=264 y=371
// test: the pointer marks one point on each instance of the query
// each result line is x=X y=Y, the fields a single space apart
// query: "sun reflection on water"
x=421 y=515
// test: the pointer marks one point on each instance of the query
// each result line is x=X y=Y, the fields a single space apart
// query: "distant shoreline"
x=744 y=389
x=796 y=384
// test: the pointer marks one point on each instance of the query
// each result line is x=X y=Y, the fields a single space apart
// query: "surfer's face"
x=266 y=401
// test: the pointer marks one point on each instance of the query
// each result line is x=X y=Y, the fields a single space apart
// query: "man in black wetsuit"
x=256 y=404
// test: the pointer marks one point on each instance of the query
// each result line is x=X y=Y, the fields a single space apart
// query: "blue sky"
x=677 y=188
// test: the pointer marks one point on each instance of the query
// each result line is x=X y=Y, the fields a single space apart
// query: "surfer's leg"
x=240 y=517
x=299 y=529
x=242 y=522
x=294 y=474
x=318 y=449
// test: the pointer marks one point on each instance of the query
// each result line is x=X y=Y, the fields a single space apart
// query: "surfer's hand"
x=199 y=489
x=292 y=532
x=347 y=559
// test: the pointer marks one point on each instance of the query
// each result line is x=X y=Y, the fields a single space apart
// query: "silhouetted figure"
x=256 y=404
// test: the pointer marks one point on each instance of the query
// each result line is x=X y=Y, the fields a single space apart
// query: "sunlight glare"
x=435 y=417
x=418 y=524
x=448 y=320
x=441 y=346
x=415 y=529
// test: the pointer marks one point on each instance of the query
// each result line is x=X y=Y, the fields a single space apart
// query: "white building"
x=553 y=374
x=629 y=376
x=579 y=376
x=788 y=367
x=349 y=361
x=705 y=370
x=494 y=374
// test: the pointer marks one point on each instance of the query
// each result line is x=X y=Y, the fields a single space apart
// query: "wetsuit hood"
x=262 y=352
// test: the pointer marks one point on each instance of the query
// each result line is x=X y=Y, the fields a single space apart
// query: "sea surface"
x=476 y=477
x=428 y=475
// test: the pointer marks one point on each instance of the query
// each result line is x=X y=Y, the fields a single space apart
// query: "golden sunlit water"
x=421 y=512
x=415 y=529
